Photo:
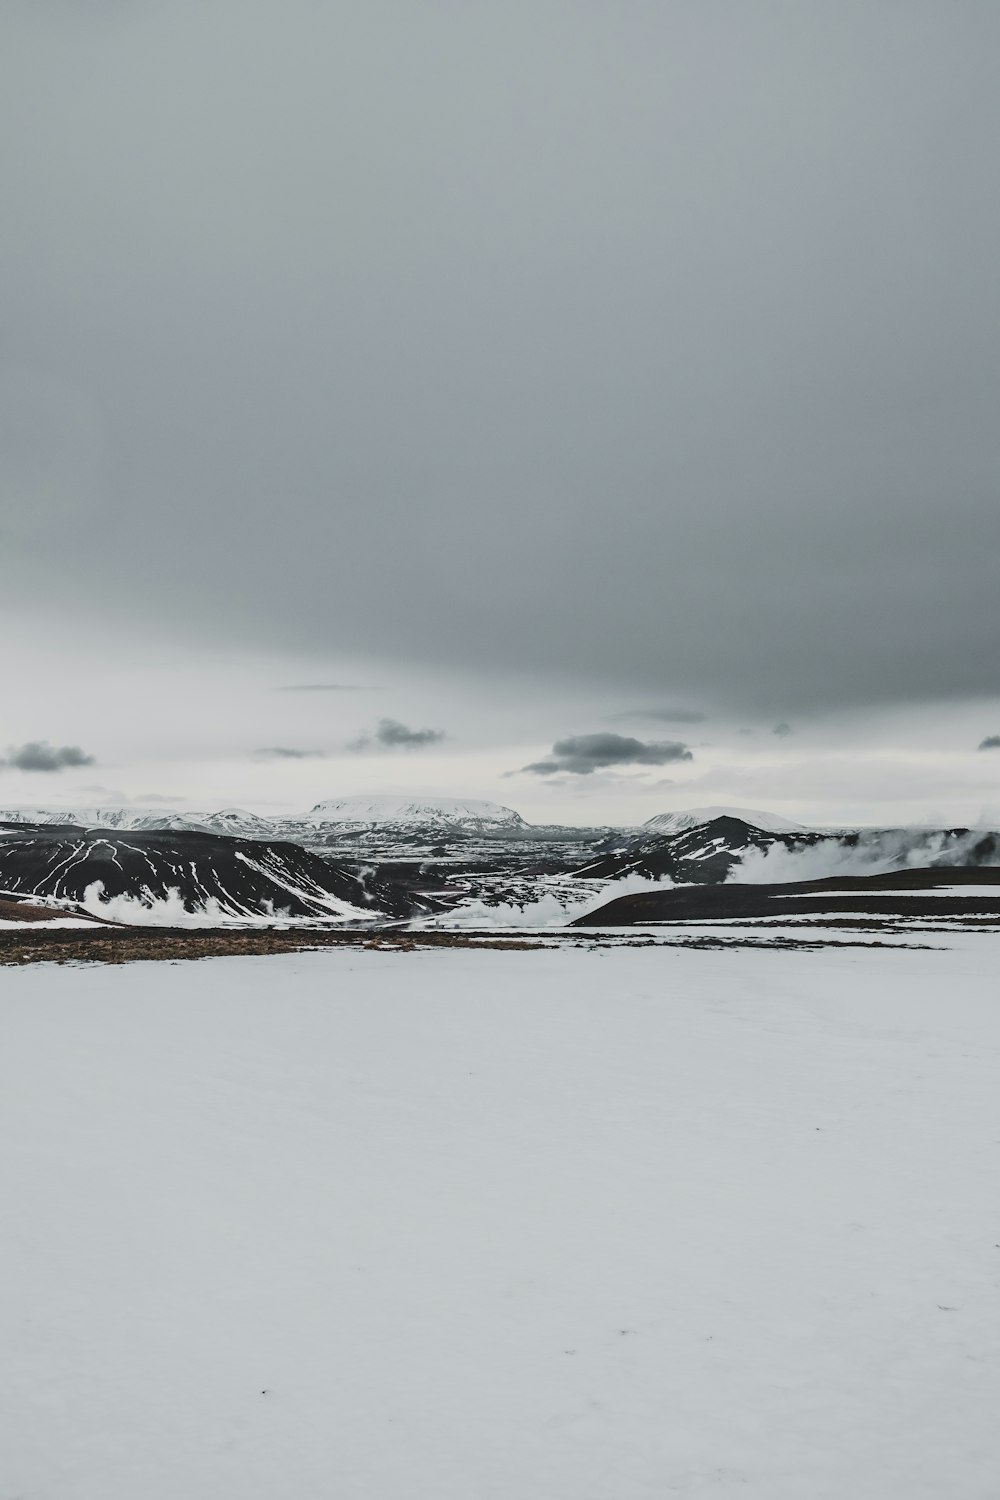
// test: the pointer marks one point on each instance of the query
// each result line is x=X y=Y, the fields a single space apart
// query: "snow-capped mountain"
x=106 y=817
x=694 y=817
x=701 y=852
x=472 y=814
x=236 y=822
x=447 y=814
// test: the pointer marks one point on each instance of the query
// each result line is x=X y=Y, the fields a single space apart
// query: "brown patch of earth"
x=23 y=911
x=132 y=945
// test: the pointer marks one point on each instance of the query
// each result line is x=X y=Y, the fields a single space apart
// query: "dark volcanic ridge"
x=203 y=872
x=929 y=894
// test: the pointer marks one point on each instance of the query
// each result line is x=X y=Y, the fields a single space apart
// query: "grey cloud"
x=991 y=742
x=285 y=752
x=582 y=754
x=390 y=734
x=38 y=755
x=659 y=349
x=782 y=730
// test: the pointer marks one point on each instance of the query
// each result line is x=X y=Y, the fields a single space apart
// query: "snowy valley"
x=378 y=860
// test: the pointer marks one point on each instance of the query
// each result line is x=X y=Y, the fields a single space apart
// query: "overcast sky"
x=533 y=371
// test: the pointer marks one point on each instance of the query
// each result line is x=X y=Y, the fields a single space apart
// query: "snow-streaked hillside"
x=580 y=1226
x=694 y=817
x=440 y=812
x=168 y=873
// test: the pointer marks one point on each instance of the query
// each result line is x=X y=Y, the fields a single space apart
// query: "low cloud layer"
x=390 y=734
x=320 y=687
x=39 y=755
x=286 y=752
x=666 y=715
x=991 y=742
x=871 y=852
x=581 y=754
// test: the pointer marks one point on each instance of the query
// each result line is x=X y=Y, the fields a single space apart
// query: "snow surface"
x=992 y=891
x=693 y=817
x=559 y=903
x=561 y=1225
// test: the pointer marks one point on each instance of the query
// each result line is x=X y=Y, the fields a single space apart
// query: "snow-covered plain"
x=557 y=1225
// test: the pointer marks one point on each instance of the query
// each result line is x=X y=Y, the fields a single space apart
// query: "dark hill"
x=704 y=854
x=246 y=877
x=899 y=893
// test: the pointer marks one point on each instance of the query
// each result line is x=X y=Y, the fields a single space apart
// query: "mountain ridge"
x=694 y=817
x=359 y=811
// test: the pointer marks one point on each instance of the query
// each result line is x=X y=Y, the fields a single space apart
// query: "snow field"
x=558 y=1225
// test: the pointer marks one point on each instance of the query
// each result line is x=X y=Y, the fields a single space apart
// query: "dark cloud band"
x=390 y=734
x=286 y=752
x=38 y=755
x=582 y=754
x=597 y=411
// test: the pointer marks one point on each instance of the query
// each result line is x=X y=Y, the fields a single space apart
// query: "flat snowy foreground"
x=453 y=1225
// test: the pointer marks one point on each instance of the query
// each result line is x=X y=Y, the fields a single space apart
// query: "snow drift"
x=867 y=852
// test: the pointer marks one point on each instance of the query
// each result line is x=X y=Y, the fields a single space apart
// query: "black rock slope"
x=705 y=853
x=245 y=877
x=923 y=893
